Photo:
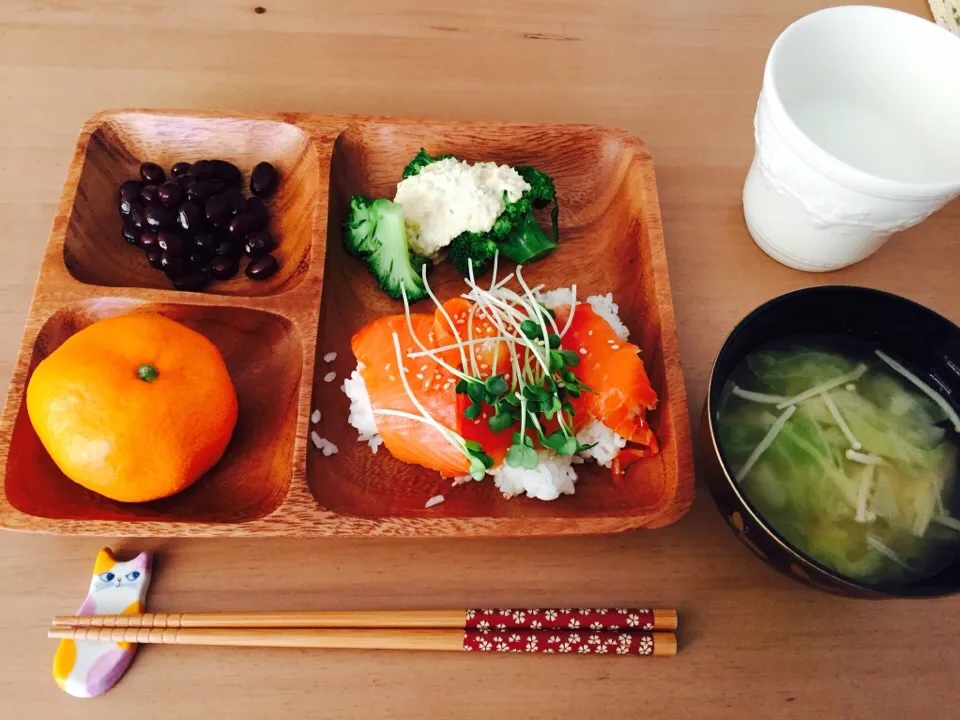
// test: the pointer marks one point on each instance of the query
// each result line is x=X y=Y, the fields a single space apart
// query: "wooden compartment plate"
x=274 y=335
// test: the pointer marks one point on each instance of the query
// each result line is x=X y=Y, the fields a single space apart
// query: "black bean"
x=196 y=189
x=172 y=243
x=229 y=249
x=152 y=173
x=223 y=225
x=180 y=169
x=202 y=189
x=197 y=260
x=138 y=215
x=170 y=194
x=263 y=180
x=189 y=217
x=205 y=242
x=262 y=267
x=148 y=193
x=172 y=265
x=148 y=240
x=202 y=170
x=155 y=257
x=260 y=243
x=224 y=267
x=126 y=205
x=256 y=208
x=130 y=234
x=191 y=281
x=242 y=225
x=130 y=190
x=217 y=207
x=238 y=203
x=158 y=216
x=200 y=253
x=228 y=172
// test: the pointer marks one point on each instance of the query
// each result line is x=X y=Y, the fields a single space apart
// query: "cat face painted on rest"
x=127 y=576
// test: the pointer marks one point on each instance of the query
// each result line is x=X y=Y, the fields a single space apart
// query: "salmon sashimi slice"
x=409 y=440
x=611 y=367
x=492 y=357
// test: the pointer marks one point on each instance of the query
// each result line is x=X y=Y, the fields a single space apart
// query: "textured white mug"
x=857 y=135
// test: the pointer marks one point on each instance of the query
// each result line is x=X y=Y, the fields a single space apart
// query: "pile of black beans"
x=197 y=224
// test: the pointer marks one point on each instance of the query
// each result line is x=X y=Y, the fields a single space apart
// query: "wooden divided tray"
x=274 y=334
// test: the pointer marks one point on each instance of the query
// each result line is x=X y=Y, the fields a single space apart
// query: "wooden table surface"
x=682 y=75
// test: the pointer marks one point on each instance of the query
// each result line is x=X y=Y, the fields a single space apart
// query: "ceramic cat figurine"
x=84 y=668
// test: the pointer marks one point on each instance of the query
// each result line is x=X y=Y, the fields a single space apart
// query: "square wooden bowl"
x=274 y=335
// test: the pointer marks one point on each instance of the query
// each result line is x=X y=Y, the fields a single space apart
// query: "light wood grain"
x=685 y=77
x=431 y=640
x=349 y=639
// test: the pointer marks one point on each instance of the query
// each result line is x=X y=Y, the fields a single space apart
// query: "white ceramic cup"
x=857 y=135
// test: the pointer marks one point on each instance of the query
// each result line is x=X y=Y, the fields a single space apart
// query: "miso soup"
x=847 y=454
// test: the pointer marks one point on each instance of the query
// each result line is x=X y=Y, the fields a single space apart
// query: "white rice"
x=435 y=500
x=315 y=418
x=555 y=298
x=608 y=443
x=323 y=445
x=602 y=305
x=330 y=376
x=553 y=476
x=330 y=357
x=361 y=414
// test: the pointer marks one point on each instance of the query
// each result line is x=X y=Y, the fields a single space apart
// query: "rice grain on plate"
x=322 y=444
x=435 y=500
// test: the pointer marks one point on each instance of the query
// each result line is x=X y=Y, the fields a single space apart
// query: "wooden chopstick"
x=623 y=619
x=655 y=644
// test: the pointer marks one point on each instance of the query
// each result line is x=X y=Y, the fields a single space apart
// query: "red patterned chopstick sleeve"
x=585 y=642
x=581 y=619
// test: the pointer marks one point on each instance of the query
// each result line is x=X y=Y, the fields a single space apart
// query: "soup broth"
x=847 y=454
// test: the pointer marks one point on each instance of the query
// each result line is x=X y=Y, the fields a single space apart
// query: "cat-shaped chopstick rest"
x=85 y=668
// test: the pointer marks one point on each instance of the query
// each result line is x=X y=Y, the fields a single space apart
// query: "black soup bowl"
x=929 y=345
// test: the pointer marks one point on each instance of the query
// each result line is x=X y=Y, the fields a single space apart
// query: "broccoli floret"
x=359 y=227
x=542 y=191
x=472 y=246
x=421 y=160
x=526 y=241
x=386 y=251
x=512 y=216
x=517 y=231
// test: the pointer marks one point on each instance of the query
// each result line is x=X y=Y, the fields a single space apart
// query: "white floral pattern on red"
x=623 y=619
x=561 y=641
